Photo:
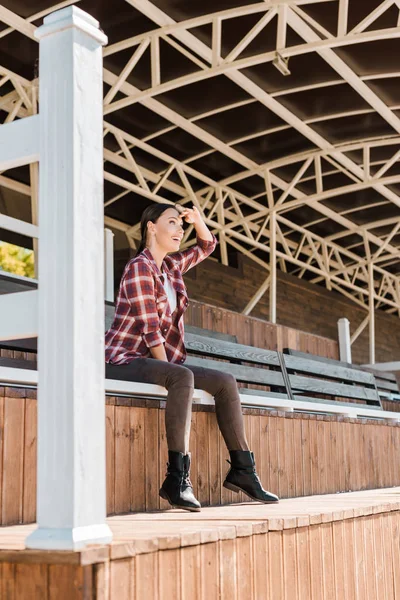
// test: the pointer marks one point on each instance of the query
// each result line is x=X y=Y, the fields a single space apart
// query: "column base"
x=75 y=538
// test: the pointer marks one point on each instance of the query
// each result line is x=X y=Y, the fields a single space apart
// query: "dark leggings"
x=180 y=382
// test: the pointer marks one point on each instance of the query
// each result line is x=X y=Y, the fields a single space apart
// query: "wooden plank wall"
x=31 y=356
x=342 y=558
x=297 y=454
x=351 y=558
x=18 y=443
x=391 y=405
x=27 y=581
x=257 y=332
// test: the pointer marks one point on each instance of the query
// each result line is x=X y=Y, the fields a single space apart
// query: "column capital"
x=68 y=18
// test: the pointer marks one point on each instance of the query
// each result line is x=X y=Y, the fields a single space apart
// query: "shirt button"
x=165 y=330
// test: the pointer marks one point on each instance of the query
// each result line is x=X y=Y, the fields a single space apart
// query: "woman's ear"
x=150 y=231
x=150 y=227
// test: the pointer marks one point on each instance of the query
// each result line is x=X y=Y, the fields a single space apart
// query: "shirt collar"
x=146 y=252
x=168 y=266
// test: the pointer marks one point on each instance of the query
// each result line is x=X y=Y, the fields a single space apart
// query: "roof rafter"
x=244 y=82
x=222 y=204
x=285 y=92
x=235 y=219
x=224 y=65
x=254 y=90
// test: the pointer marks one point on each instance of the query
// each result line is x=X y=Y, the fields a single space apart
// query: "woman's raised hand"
x=191 y=215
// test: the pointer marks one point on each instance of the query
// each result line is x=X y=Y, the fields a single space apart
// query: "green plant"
x=17 y=260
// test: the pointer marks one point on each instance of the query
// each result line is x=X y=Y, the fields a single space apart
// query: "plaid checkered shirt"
x=142 y=315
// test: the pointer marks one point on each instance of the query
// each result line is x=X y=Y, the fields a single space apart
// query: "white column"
x=344 y=340
x=371 y=315
x=272 y=267
x=71 y=501
x=109 y=265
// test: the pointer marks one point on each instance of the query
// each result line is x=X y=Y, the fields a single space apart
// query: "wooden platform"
x=343 y=546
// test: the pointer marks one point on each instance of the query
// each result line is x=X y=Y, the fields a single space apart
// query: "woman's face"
x=168 y=231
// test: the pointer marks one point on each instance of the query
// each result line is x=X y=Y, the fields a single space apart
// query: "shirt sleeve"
x=187 y=259
x=138 y=284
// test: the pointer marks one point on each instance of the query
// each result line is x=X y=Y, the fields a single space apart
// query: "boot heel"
x=163 y=495
x=231 y=487
x=243 y=472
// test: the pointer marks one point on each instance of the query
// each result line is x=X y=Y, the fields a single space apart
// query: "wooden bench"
x=289 y=383
x=312 y=377
x=386 y=384
x=247 y=364
x=294 y=375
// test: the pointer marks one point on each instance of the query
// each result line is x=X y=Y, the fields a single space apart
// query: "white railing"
x=67 y=311
x=109 y=265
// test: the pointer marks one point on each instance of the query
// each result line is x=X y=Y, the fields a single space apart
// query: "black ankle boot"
x=242 y=477
x=177 y=487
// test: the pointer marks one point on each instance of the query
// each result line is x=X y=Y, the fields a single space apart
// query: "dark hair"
x=151 y=213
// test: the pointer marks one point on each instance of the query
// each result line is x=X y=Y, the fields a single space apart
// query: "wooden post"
x=71 y=502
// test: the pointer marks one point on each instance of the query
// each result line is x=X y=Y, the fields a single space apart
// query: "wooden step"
x=333 y=546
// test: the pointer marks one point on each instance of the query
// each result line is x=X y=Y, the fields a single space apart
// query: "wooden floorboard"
x=171 y=528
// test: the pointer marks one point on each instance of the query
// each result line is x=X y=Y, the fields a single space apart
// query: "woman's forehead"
x=172 y=212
